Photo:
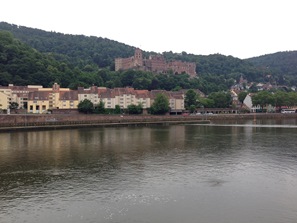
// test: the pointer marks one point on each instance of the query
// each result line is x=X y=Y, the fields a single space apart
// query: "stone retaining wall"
x=21 y=120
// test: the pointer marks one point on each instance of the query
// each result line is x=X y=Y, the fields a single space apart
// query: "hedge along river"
x=222 y=172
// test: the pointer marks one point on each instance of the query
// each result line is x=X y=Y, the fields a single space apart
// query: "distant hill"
x=77 y=49
x=280 y=64
x=82 y=50
x=90 y=60
x=283 y=62
x=22 y=65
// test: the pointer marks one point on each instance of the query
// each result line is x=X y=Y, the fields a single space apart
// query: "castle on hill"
x=155 y=63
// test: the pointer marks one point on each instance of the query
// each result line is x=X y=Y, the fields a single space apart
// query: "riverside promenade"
x=15 y=122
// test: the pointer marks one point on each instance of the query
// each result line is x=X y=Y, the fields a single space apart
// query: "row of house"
x=36 y=99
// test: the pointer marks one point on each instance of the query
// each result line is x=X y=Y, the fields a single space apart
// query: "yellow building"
x=68 y=99
x=38 y=102
x=5 y=96
x=45 y=99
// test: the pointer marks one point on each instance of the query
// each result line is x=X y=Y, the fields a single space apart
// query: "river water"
x=223 y=172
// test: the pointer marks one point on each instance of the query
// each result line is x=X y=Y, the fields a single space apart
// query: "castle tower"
x=138 y=60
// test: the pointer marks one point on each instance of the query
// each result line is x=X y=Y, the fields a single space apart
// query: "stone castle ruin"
x=155 y=63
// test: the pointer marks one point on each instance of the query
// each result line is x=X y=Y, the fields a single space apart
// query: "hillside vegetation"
x=282 y=66
x=40 y=57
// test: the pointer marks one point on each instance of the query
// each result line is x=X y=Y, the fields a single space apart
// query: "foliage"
x=85 y=106
x=192 y=108
x=221 y=99
x=13 y=105
x=263 y=98
x=135 y=109
x=99 y=109
x=206 y=103
x=242 y=95
x=160 y=105
x=117 y=109
x=78 y=50
x=282 y=66
x=278 y=99
x=190 y=99
x=292 y=96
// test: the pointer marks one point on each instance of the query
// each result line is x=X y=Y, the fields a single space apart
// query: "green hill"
x=282 y=65
x=77 y=60
x=22 y=65
x=77 y=49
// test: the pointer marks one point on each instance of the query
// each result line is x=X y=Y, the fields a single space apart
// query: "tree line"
x=278 y=99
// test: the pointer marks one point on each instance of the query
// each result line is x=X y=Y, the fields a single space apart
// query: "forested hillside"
x=282 y=65
x=79 y=50
x=22 y=65
x=34 y=56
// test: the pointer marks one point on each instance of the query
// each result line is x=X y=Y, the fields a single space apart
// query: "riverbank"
x=65 y=121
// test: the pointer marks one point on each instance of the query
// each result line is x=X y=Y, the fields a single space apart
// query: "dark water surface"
x=233 y=173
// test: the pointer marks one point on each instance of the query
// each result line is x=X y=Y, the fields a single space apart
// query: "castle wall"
x=155 y=63
x=124 y=63
x=180 y=67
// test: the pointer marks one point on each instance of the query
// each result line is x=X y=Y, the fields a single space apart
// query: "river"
x=214 y=173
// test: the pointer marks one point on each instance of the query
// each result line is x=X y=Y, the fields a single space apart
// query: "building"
x=155 y=63
x=5 y=96
x=90 y=94
x=129 y=96
x=19 y=94
x=38 y=102
x=41 y=100
x=248 y=104
x=44 y=99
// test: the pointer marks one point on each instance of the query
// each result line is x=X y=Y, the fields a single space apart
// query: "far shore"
x=19 y=122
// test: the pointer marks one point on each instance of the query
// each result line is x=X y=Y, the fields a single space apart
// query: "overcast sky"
x=241 y=28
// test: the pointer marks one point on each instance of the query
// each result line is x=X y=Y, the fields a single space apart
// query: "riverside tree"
x=85 y=106
x=160 y=105
x=190 y=99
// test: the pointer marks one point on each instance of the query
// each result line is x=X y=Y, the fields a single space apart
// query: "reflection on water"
x=223 y=172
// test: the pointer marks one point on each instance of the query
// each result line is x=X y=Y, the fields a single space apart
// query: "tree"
x=160 y=105
x=85 y=106
x=117 y=109
x=192 y=108
x=280 y=99
x=100 y=108
x=221 y=99
x=263 y=98
x=190 y=99
x=242 y=95
x=292 y=97
x=207 y=103
x=135 y=109
x=13 y=105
